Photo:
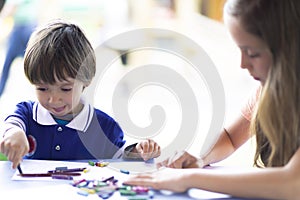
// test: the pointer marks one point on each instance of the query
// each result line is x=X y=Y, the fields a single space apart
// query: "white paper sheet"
x=94 y=172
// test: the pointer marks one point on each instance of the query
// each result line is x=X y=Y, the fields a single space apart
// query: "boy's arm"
x=14 y=144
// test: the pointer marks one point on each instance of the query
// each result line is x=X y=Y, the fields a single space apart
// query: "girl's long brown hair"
x=276 y=122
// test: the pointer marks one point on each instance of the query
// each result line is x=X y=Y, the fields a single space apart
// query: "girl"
x=268 y=35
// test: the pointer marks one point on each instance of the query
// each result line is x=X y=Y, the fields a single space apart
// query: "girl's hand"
x=162 y=180
x=181 y=160
x=14 y=145
x=148 y=149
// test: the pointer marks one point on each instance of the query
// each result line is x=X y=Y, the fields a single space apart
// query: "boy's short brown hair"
x=58 y=51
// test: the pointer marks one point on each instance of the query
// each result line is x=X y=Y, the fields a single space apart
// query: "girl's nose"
x=245 y=63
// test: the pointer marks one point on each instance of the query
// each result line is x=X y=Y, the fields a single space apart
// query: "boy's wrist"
x=130 y=148
x=131 y=152
x=11 y=130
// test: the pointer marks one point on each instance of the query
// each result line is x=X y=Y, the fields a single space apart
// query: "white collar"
x=81 y=122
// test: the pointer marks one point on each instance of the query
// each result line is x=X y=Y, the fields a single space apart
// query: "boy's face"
x=61 y=98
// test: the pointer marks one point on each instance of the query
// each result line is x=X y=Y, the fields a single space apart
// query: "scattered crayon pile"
x=107 y=187
x=98 y=164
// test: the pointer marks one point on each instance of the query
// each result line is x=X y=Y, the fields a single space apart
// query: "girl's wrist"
x=190 y=178
x=200 y=162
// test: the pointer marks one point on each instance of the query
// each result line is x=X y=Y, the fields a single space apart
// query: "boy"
x=60 y=62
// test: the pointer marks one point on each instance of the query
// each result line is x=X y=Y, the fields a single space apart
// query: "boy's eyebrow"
x=63 y=85
x=39 y=84
x=57 y=82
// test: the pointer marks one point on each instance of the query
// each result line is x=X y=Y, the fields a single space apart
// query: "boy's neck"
x=67 y=117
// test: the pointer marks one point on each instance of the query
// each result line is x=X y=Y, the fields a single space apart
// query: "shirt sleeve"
x=18 y=118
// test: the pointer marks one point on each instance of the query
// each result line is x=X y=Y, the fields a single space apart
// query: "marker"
x=67 y=170
x=78 y=182
x=124 y=171
x=64 y=177
x=50 y=174
x=19 y=168
x=111 y=178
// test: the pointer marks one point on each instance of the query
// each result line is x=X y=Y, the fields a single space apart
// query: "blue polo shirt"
x=92 y=134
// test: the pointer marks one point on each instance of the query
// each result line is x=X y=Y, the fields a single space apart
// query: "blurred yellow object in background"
x=6 y=26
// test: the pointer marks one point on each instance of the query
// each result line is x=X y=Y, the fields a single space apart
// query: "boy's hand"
x=14 y=145
x=148 y=149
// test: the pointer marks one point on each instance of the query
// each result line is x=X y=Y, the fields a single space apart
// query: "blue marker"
x=124 y=171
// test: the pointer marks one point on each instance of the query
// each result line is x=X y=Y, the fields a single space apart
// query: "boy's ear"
x=86 y=84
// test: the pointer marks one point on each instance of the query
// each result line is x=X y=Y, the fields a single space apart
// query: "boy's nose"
x=53 y=98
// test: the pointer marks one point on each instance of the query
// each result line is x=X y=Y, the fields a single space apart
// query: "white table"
x=61 y=189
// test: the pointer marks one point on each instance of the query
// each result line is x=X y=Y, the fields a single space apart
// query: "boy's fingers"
x=157 y=150
x=138 y=147
x=146 y=146
x=15 y=164
x=12 y=157
x=148 y=149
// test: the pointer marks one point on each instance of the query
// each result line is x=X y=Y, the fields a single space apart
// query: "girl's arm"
x=270 y=183
x=230 y=139
x=273 y=183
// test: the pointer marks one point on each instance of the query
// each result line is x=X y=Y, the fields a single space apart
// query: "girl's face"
x=255 y=56
x=61 y=98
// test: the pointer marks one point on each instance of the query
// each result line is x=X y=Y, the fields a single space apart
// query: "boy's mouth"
x=58 y=109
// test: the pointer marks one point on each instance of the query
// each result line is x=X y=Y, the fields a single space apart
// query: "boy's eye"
x=41 y=89
x=66 y=89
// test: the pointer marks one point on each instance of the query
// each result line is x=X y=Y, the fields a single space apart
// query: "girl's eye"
x=253 y=55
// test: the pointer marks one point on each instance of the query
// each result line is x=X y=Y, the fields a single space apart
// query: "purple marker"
x=60 y=176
